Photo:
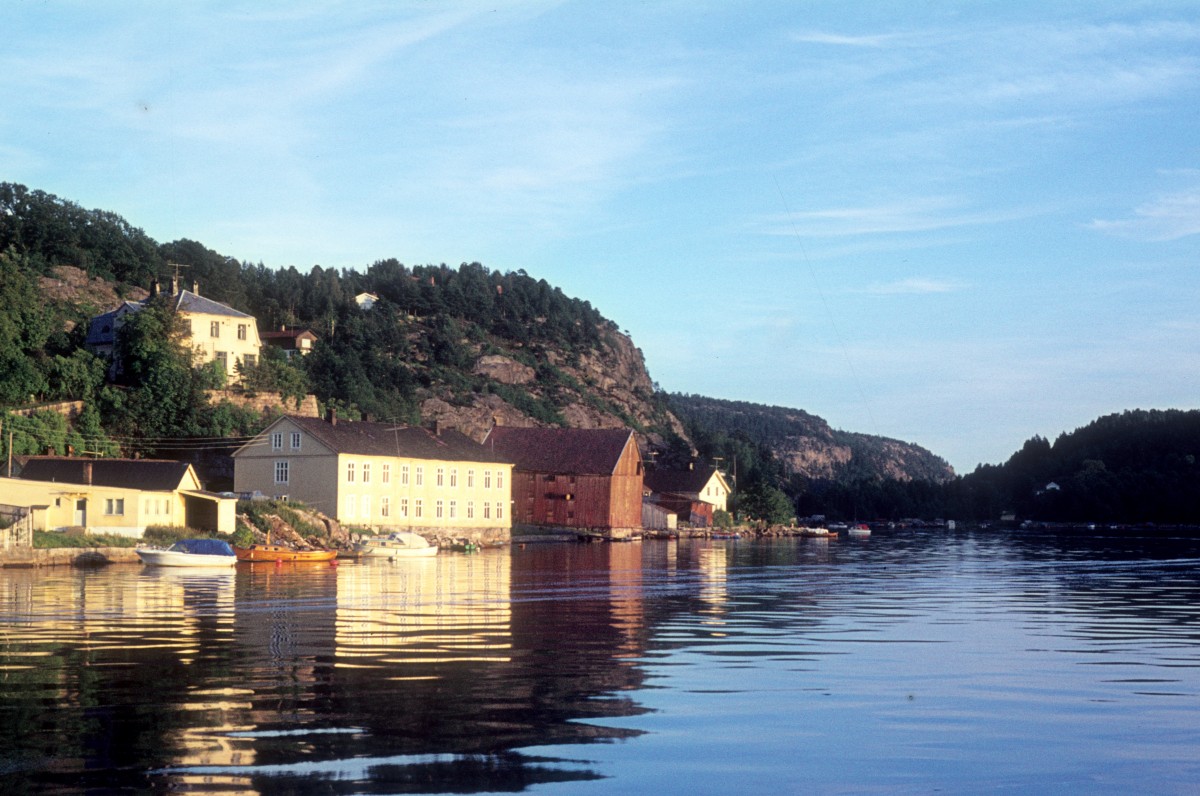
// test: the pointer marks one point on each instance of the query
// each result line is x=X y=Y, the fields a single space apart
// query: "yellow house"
x=381 y=476
x=116 y=496
x=706 y=485
x=215 y=331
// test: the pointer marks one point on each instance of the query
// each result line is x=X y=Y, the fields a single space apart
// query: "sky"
x=955 y=224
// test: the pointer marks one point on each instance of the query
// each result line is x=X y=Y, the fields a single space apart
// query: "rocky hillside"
x=806 y=445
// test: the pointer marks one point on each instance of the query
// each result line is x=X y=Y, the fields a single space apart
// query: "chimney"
x=87 y=472
x=437 y=428
x=331 y=416
x=196 y=288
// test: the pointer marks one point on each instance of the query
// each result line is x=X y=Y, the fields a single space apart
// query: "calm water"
x=908 y=662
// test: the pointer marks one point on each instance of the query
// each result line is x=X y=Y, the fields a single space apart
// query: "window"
x=223 y=359
x=387 y=474
x=295 y=440
x=366 y=473
x=441 y=476
x=487 y=510
x=453 y=509
x=470 y=509
x=385 y=506
x=403 y=507
x=487 y=479
x=438 y=510
x=214 y=329
x=241 y=331
x=366 y=507
x=249 y=360
x=187 y=327
x=404 y=475
x=114 y=506
x=349 y=472
x=349 y=505
x=499 y=479
x=418 y=510
x=500 y=511
x=277 y=441
x=453 y=477
x=470 y=479
x=281 y=472
x=420 y=476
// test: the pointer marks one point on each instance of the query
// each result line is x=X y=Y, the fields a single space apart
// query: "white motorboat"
x=400 y=544
x=190 y=553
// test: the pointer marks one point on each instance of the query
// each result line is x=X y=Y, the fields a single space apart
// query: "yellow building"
x=115 y=496
x=382 y=477
x=215 y=331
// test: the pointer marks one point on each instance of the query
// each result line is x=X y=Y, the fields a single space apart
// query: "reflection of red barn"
x=586 y=479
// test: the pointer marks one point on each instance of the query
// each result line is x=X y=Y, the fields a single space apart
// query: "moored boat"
x=274 y=553
x=400 y=544
x=190 y=553
x=859 y=530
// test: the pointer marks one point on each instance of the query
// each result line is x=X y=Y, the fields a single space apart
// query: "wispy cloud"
x=921 y=214
x=913 y=286
x=841 y=40
x=1166 y=218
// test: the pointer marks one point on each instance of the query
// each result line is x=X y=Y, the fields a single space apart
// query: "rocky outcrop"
x=504 y=369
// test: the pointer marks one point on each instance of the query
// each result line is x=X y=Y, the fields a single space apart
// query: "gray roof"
x=156 y=475
x=102 y=328
x=365 y=438
x=579 y=451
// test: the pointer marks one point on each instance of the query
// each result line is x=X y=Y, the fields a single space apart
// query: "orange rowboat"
x=272 y=553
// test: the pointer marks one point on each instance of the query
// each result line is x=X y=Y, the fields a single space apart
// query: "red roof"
x=570 y=451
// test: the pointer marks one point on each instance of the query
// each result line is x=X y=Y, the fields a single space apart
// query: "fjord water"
x=907 y=662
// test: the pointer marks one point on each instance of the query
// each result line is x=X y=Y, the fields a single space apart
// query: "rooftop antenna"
x=175 y=278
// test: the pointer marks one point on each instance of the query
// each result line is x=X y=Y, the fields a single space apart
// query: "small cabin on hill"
x=291 y=341
x=574 y=478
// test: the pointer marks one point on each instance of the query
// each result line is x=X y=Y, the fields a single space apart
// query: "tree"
x=767 y=504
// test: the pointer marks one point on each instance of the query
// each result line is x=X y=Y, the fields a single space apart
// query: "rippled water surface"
x=907 y=662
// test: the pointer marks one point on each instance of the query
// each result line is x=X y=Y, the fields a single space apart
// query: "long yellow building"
x=382 y=476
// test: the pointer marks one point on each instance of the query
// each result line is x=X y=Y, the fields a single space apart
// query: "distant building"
x=215 y=331
x=366 y=301
x=586 y=479
x=705 y=485
x=116 y=496
x=381 y=476
x=290 y=341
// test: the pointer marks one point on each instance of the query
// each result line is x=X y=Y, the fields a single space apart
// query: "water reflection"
x=948 y=653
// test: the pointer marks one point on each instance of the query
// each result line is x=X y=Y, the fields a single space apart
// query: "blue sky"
x=958 y=225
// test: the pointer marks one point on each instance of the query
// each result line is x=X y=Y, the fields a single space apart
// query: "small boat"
x=860 y=530
x=400 y=544
x=275 y=553
x=190 y=553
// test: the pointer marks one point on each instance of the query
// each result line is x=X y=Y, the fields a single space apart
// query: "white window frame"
x=295 y=440
x=282 y=471
x=277 y=441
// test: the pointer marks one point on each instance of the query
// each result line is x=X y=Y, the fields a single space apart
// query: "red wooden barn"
x=583 y=478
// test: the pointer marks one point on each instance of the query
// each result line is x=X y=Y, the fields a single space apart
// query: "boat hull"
x=174 y=558
x=271 y=553
x=397 y=545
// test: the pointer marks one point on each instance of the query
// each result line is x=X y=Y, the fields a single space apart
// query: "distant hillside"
x=1136 y=466
x=805 y=445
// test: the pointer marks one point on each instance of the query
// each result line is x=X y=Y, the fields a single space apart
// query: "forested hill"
x=804 y=444
x=464 y=345
x=1136 y=466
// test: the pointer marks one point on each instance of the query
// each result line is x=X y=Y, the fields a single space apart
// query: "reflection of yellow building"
x=115 y=496
x=435 y=610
